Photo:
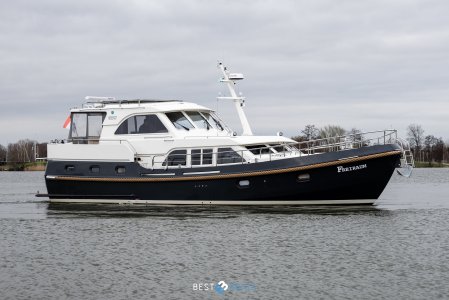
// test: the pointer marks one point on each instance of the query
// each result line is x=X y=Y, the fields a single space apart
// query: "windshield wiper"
x=186 y=128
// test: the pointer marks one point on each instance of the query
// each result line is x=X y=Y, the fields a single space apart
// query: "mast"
x=239 y=102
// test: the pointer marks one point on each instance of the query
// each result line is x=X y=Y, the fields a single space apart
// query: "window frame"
x=87 y=138
x=135 y=124
x=182 y=127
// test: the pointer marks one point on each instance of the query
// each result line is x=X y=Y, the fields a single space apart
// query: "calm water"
x=398 y=249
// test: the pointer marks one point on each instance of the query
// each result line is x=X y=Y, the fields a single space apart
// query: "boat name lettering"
x=342 y=169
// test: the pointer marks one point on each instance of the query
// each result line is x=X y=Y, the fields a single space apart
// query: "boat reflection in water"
x=70 y=210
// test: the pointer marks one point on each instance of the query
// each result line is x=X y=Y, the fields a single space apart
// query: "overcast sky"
x=364 y=64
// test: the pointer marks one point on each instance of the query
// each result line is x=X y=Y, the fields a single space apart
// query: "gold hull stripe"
x=228 y=176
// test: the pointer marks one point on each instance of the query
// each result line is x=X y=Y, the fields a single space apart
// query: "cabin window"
x=201 y=157
x=141 y=124
x=196 y=157
x=199 y=121
x=176 y=158
x=95 y=169
x=179 y=120
x=86 y=127
x=120 y=170
x=228 y=156
x=303 y=177
x=207 y=156
x=213 y=121
x=244 y=183
x=69 y=168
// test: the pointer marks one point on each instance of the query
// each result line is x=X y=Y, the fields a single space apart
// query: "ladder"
x=407 y=161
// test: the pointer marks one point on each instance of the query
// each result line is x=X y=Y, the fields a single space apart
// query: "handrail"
x=328 y=144
x=291 y=149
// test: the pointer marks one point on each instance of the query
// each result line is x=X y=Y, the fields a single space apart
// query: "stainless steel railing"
x=181 y=157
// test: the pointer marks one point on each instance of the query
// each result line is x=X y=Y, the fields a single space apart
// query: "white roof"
x=145 y=105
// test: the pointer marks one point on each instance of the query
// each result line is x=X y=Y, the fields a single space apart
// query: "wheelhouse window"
x=141 y=124
x=199 y=121
x=86 y=127
x=228 y=156
x=213 y=121
x=179 y=120
x=176 y=158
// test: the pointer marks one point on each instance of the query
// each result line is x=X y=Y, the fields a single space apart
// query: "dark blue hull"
x=339 y=176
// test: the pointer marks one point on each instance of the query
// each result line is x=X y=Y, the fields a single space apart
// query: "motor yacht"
x=172 y=152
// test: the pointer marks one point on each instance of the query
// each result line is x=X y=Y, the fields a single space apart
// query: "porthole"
x=120 y=170
x=243 y=183
x=69 y=168
x=305 y=177
x=95 y=169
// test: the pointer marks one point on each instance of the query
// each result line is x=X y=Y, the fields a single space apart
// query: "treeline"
x=23 y=151
x=426 y=148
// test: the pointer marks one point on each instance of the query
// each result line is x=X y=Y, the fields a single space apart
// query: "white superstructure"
x=165 y=134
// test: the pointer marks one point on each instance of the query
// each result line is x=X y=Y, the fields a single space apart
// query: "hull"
x=348 y=177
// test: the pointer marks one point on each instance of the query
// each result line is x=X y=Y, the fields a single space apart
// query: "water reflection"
x=77 y=210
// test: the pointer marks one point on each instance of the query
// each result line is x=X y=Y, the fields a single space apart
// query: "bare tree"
x=22 y=151
x=429 y=144
x=331 y=131
x=3 y=152
x=415 y=136
x=310 y=132
x=438 y=151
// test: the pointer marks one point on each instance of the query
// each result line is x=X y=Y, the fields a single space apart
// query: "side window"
x=228 y=156
x=141 y=124
x=127 y=127
x=94 y=125
x=150 y=124
x=196 y=157
x=176 y=158
x=86 y=127
x=207 y=156
x=79 y=126
x=201 y=157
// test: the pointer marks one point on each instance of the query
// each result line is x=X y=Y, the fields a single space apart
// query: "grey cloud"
x=305 y=61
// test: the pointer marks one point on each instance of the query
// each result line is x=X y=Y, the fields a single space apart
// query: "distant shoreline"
x=39 y=166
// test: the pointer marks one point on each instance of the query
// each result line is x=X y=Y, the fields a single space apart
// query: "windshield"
x=213 y=121
x=179 y=120
x=198 y=120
